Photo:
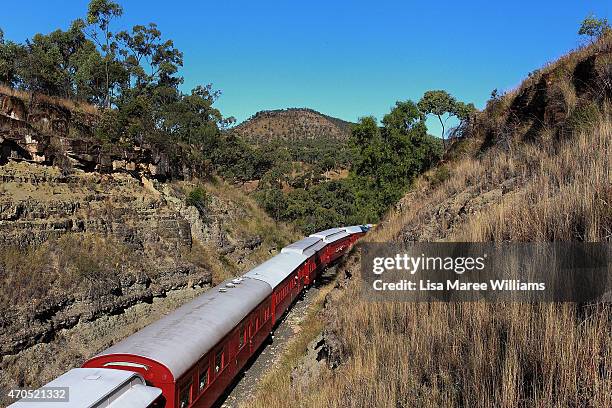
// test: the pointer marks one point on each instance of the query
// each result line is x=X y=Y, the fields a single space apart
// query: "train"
x=191 y=356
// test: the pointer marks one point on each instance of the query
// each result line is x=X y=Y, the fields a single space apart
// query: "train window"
x=242 y=337
x=185 y=396
x=219 y=361
x=203 y=380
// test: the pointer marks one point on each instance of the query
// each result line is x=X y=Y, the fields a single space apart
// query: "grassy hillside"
x=291 y=125
x=301 y=147
x=534 y=166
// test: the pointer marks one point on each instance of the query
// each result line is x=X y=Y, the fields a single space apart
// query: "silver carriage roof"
x=181 y=338
x=331 y=235
x=277 y=269
x=356 y=229
x=88 y=387
x=137 y=396
x=306 y=246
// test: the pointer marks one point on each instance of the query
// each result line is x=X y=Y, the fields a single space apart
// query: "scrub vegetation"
x=304 y=168
x=535 y=165
x=385 y=161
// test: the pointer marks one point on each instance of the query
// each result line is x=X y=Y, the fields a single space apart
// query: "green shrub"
x=199 y=199
x=439 y=176
x=583 y=117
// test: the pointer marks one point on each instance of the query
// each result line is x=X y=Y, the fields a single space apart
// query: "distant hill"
x=292 y=124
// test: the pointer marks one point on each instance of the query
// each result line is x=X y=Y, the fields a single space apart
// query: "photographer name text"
x=428 y=285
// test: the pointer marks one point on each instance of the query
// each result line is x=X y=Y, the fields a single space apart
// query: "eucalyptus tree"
x=444 y=106
x=97 y=25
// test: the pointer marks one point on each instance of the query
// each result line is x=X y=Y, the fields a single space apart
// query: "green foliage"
x=463 y=110
x=436 y=102
x=385 y=161
x=62 y=63
x=584 y=117
x=199 y=199
x=10 y=55
x=594 y=27
x=440 y=103
x=100 y=13
x=150 y=59
x=439 y=176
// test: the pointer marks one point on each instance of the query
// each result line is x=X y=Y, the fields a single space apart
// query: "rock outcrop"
x=46 y=133
x=77 y=249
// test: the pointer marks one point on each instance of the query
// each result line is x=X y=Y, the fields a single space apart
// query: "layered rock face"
x=39 y=206
x=42 y=132
x=79 y=251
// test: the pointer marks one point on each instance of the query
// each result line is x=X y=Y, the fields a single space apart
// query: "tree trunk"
x=107 y=83
x=442 y=123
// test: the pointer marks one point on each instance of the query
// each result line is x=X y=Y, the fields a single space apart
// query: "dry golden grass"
x=556 y=187
x=566 y=198
x=71 y=105
x=471 y=354
x=481 y=354
x=28 y=275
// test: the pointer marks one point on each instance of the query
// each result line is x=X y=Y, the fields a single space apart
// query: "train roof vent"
x=223 y=290
x=230 y=285
x=237 y=281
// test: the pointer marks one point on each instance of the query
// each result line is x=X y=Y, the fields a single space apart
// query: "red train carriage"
x=357 y=231
x=96 y=388
x=194 y=353
x=284 y=273
x=308 y=247
x=337 y=241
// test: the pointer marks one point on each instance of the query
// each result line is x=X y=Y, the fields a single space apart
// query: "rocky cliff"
x=87 y=258
x=43 y=130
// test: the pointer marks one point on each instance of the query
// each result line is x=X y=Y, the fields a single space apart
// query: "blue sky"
x=344 y=58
